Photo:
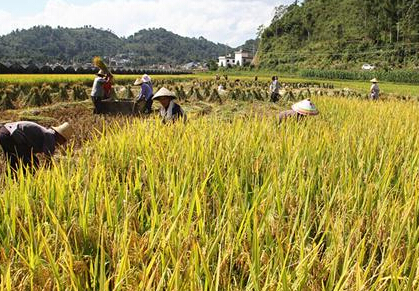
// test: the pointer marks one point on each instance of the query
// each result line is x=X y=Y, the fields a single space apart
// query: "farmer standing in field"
x=146 y=92
x=170 y=111
x=22 y=140
x=375 y=90
x=274 y=89
x=299 y=111
x=98 y=89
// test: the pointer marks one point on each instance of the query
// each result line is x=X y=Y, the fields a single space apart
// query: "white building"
x=225 y=61
x=241 y=58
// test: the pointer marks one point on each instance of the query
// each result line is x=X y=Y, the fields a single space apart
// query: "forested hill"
x=342 y=34
x=44 y=44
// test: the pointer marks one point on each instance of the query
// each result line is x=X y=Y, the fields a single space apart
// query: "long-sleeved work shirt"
x=37 y=137
x=275 y=87
x=146 y=91
x=172 y=113
x=97 y=89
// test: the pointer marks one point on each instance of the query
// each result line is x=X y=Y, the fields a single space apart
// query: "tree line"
x=44 y=44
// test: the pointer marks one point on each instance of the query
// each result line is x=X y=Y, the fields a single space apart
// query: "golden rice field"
x=386 y=87
x=330 y=203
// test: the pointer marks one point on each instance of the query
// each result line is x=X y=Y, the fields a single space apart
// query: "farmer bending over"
x=23 y=139
x=170 y=111
x=299 y=111
x=146 y=92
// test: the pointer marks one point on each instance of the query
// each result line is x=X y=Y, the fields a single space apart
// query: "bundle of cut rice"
x=97 y=62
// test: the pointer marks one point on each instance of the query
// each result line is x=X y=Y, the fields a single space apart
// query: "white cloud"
x=224 y=21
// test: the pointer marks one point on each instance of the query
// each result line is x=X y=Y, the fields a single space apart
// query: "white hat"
x=144 y=79
x=374 y=80
x=163 y=92
x=65 y=130
x=305 y=107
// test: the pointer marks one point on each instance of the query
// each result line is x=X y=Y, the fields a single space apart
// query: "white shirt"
x=167 y=114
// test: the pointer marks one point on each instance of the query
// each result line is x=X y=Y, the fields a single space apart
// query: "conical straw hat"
x=138 y=82
x=144 y=79
x=65 y=130
x=305 y=107
x=374 y=80
x=163 y=92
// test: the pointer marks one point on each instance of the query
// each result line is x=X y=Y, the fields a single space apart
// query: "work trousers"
x=148 y=105
x=274 y=97
x=96 y=103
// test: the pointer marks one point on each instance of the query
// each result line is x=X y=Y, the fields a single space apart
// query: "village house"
x=241 y=58
x=226 y=61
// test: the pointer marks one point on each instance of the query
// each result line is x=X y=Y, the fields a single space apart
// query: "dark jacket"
x=36 y=137
x=172 y=113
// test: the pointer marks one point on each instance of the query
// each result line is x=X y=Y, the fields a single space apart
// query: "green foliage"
x=342 y=34
x=212 y=65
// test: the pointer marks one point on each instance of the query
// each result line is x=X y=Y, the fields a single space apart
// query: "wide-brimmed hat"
x=305 y=107
x=163 y=92
x=65 y=130
x=144 y=79
x=138 y=82
x=374 y=80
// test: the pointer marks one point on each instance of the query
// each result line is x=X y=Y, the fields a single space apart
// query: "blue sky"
x=225 y=21
x=28 y=7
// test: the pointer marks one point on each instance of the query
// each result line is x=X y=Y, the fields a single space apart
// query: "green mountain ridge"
x=342 y=34
x=42 y=44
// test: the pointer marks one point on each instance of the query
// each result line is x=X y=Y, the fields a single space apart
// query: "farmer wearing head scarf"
x=375 y=90
x=170 y=111
x=23 y=139
x=146 y=92
x=299 y=110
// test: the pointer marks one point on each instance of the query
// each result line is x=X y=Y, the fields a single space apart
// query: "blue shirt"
x=146 y=91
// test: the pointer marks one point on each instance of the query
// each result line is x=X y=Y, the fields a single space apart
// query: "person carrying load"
x=299 y=111
x=146 y=92
x=102 y=85
x=98 y=90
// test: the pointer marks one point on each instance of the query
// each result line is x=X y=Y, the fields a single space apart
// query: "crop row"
x=390 y=76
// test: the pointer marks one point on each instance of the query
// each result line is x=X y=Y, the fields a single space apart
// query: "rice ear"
x=97 y=62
